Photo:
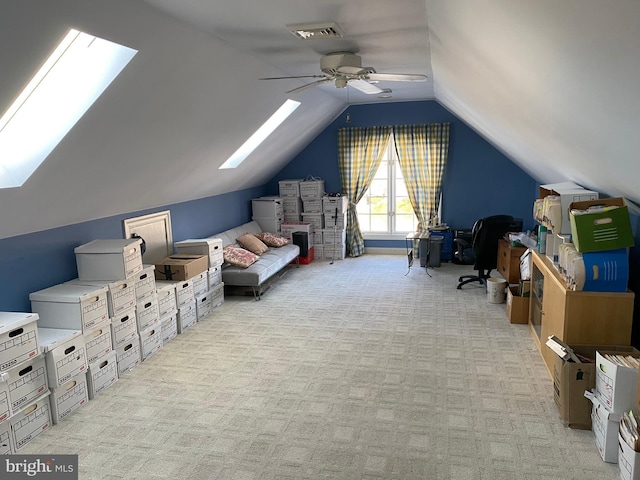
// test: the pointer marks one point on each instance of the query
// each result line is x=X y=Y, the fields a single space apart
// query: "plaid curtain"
x=359 y=154
x=422 y=152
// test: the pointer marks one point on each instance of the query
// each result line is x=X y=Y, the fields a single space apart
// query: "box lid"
x=111 y=284
x=50 y=338
x=67 y=293
x=12 y=320
x=199 y=242
x=109 y=245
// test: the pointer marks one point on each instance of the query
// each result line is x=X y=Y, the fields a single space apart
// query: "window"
x=385 y=210
x=261 y=134
x=68 y=83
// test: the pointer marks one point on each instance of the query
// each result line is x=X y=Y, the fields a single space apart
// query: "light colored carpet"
x=343 y=371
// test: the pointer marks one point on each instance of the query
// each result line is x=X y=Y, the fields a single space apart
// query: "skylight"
x=261 y=134
x=68 y=83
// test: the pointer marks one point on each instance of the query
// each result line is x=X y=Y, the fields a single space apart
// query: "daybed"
x=257 y=275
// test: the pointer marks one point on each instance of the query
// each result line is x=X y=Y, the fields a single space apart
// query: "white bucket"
x=496 y=290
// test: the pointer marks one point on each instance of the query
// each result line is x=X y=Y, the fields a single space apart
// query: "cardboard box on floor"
x=517 y=304
x=570 y=380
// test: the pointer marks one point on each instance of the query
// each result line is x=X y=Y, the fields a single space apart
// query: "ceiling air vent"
x=307 y=31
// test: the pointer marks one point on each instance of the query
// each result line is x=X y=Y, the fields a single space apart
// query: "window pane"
x=379 y=223
x=401 y=188
x=403 y=205
x=379 y=188
x=380 y=205
x=405 y=223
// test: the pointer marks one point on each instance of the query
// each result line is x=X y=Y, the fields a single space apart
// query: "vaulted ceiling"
x=551 y=84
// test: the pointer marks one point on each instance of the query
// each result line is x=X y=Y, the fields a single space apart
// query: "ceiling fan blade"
x=365 y=87
x=308 y=85
x=298 y=76
x=397 y=77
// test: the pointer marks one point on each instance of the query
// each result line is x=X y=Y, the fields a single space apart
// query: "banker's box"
x=150 y=341
x=606 y=228
x=187 y=316
x=5 y=404
x=124 y=328
x=628 y=458
x=18 y=338
x=102 y=374
x=27 y=382
x=98 y=342
x=5 y=439
x=121 y=294
x=69 y=306
x=210 y=247
x=167 y=302
x=64 y=352
x=571 y=380
x=616 y=386
x=568 y=193
x=169 y=326
x=181 y=267
x=605 y=430
x=68 y=397
x=517 y=306
x=30 y=422
x=109 y=259
x=128 y=356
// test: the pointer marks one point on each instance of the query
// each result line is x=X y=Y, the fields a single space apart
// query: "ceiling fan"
x=344 y=68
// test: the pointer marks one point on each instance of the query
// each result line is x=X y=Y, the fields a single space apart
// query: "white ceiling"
x=551 y=84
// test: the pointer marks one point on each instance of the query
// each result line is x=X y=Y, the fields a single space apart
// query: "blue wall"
x=39 y=260
x=479 y=180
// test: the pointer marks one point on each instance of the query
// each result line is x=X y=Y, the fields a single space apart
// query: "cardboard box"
x=568 y=193
x=187 y=316
x=629 y=461
x=287 y=228
x=150 y=341
x=145 y=283
x=571 y=380
x=169 y=328
x=110 y=259
x=606 y=271
x=200 y=283
x=289 y=188
x=330 y=204
x=311 y=206
x=64 y=352
x=292 y=206
x=18 y=338
x=215 y=276
x=311 y=189
x=5 y=404
x=167 y=302
x=102 y=374
x=616 y=386
x=306 y=260
x=330 y=220
x=98 y=343
x=517 y=307
x=147 y=313
x=181 y=267
x=5 y=439
x=68 y=397
x=30 y=422
x=606 y=228
x=128 y=356
x=605 y=429
x=27 y=382
x=269 y=224
x=267 y=207
x=333 y=237
x=124 y=328
x=203 y=306
x=217 y=296
x=211 y=247
x=315 y=219
x=121 y=294
x=71 y=307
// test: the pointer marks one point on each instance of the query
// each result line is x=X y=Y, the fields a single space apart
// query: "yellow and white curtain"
x=422 y=153
x=360 y=151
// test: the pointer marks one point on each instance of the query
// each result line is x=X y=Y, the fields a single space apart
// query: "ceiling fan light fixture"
x=309 y=31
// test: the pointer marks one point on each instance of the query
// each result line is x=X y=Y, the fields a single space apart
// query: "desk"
x=411 y=247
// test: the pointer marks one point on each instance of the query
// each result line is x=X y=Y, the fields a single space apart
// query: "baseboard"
x=385 y=251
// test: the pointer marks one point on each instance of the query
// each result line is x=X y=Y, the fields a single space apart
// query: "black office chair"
x=463 y=241
x=486 y=233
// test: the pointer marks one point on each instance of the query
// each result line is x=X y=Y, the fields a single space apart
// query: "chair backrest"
x=486 y=234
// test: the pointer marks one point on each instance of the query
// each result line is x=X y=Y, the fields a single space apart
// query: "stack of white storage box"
x=208 y=287
x=289 y=192
x=334 y=210
x=268 y=212
x=615 y=393
x=24 y=388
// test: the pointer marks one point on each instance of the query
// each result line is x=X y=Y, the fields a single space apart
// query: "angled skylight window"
x=68 y=83
x=261 y=134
